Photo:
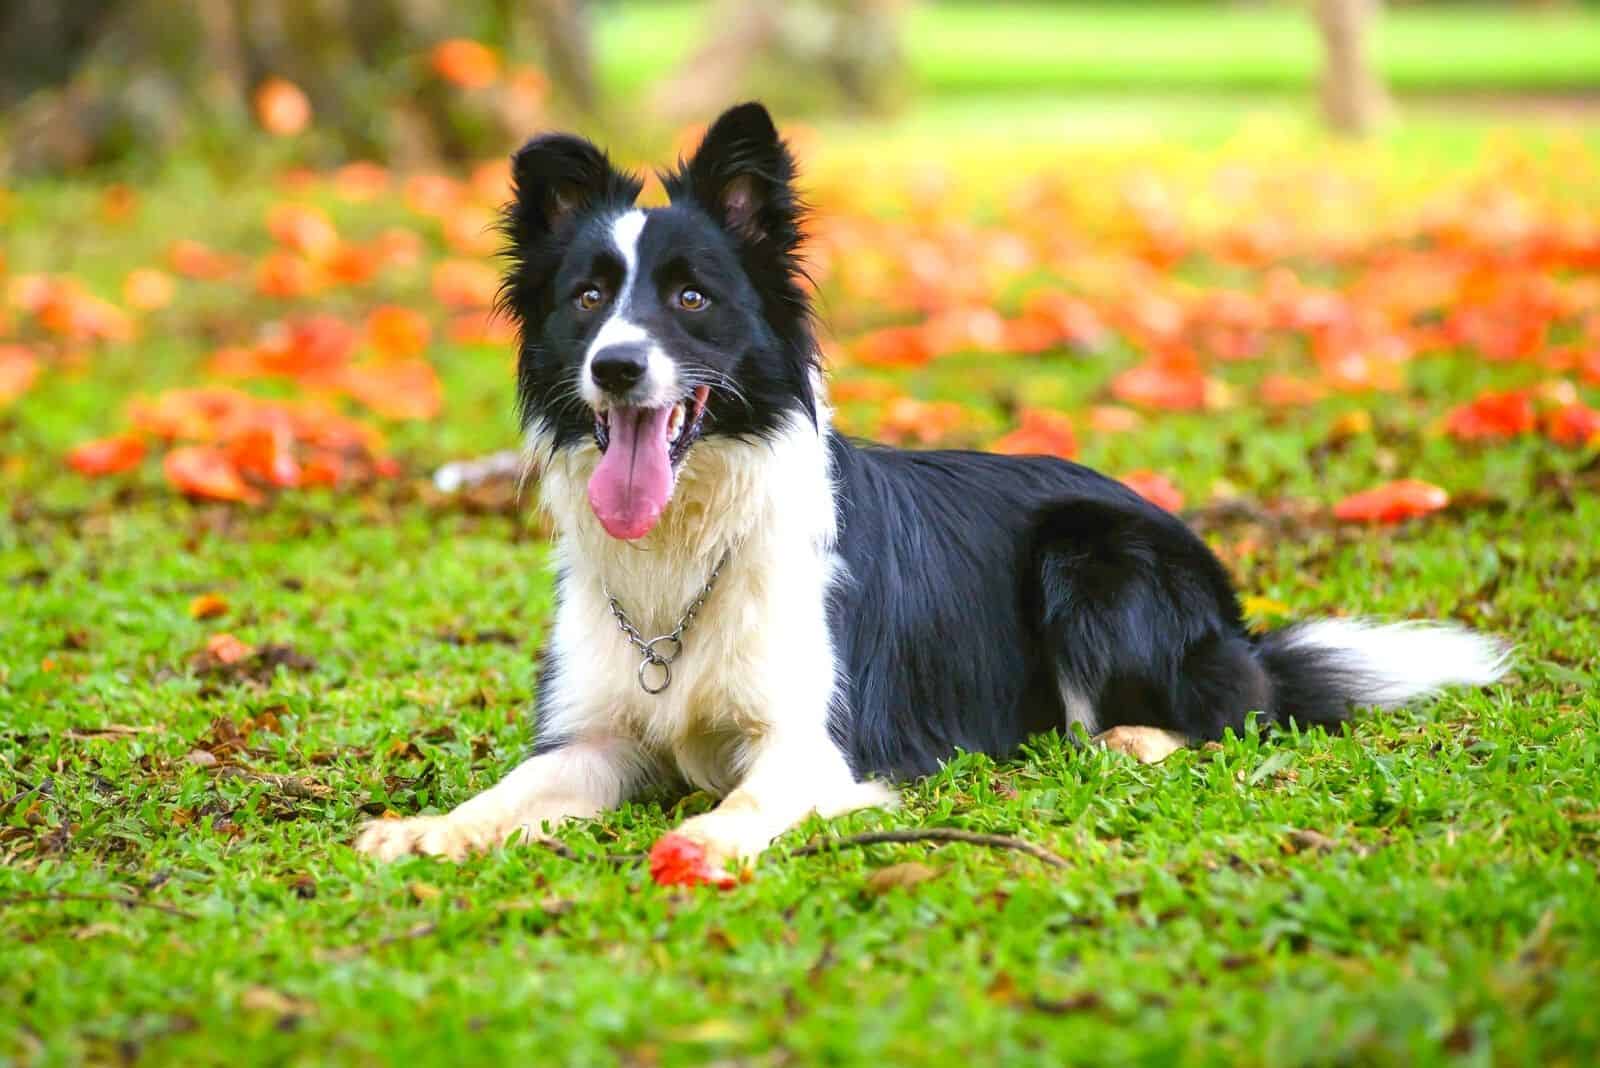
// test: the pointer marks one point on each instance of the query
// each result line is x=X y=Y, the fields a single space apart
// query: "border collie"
x=755 y=605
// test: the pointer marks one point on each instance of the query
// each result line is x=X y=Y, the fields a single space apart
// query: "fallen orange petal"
x=1392 y=502
x=397 y=332
x=465 y=283
x=1574 y=426
x=208 y=606
x=1493 y=416
x=467 y=63
x=1156 y=488
x=194 y=260
x=282 y=108
x=1156 y=384
x=107 y=456
x=1040 y=432
x=679 y=861
x=148 y=289
x=204 y=471
x=19 y=369
x=227 y=649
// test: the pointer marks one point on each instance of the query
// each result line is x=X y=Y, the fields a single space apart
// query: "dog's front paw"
x=452 y=837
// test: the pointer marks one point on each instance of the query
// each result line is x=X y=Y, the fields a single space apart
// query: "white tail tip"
x=1392 y=663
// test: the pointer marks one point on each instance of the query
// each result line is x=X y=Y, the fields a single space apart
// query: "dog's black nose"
x=618 y=368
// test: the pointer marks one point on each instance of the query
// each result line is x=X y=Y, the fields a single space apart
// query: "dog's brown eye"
x=691 y=299
x=590 y=298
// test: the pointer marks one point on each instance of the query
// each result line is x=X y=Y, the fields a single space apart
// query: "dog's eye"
x=691 y=299
x=590 y=298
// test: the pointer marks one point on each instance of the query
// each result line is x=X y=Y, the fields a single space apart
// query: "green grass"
x=957 y=49
x=1447 y=914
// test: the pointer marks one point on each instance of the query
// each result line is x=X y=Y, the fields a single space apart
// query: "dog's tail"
x=1319 y=669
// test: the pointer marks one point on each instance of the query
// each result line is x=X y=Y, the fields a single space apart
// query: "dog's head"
x=648 y=331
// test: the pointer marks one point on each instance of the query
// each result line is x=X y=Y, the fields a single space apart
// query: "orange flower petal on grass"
x=1156 y=488
x=226 y=649
x=72 y=313
x=433 y=195
x=19 y=369
x=464 y=62
x=204 y=471
x=148 y=289
x=287 y=276
x=361 y=181
x=1114 y=419
x=894 y=346
x=679 y=861
x=107 y=456
x=208 y=606
x=195 y=260
x=906 y=420
x=266 y=452
x=1039 y=432
x=304 y=229
x=1161 y=384
x=1287 y=391
x=1392 y=502
x=282 y=107
x=465 y=283
x=483 y=327
x=1574 y=426
x=397 y=332
x=1493 y=416
x=396 y=389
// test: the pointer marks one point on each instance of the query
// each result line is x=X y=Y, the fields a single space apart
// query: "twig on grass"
x=566 y=852
x=361 y=949
x=933 y=834
x=108 y=899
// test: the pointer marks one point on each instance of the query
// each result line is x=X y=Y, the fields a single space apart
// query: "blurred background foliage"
x=414 y=82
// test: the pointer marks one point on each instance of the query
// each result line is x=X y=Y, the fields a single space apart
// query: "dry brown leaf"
x=897 y=876
x=266 y=999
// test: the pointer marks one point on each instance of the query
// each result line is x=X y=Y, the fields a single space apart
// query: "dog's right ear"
x=557 y=176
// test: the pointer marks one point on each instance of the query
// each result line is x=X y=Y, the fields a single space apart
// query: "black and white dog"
x=834 y=614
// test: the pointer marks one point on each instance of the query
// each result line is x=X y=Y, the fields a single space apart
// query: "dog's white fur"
x=746 y=714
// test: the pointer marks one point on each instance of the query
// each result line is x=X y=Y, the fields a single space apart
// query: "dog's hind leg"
x=1141 y=625
x=575 y=780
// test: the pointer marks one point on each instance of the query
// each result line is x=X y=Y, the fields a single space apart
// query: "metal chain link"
x=653 y=658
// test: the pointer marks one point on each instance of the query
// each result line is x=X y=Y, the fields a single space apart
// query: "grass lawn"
x=960 y=48
x=1418 y=890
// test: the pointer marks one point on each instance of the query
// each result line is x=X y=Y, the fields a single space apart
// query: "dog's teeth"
x=675 y=423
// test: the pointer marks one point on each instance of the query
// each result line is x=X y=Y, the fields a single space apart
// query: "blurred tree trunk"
x=89 y=81
x=795 y=55
x=1353 y=96
x=563 y=29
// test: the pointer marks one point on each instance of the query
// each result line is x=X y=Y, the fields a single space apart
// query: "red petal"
x=202 y=471
x=1156 y=488
x=107 y=456
x=679 y=861
x=1041 y=433
x=1392 y=502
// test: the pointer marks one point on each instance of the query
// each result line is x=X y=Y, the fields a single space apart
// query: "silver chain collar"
x=656 y=664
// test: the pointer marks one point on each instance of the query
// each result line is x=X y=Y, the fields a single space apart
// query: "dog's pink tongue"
x=631 y=486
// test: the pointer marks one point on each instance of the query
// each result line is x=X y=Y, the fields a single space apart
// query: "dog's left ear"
x=742 y=174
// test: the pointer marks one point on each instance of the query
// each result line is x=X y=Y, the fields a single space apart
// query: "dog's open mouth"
x=640 y=449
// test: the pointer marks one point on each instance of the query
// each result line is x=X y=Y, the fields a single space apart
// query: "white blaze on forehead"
x=625 y=235
x=660 y=382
